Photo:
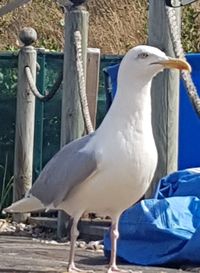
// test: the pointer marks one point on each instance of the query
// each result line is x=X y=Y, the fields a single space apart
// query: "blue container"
x=189 y=122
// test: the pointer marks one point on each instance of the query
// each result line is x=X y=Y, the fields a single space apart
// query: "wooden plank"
x=165 y=95
x=92 y=81
x=20 y=254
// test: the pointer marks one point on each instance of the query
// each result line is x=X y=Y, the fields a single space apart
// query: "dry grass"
x=43 y=15
x=115 y=25
x=191 y=28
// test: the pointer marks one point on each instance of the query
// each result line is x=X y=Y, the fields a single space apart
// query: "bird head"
x=145 y=62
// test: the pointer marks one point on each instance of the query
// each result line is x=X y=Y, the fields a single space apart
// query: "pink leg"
x=74 y=235
x=114 y=236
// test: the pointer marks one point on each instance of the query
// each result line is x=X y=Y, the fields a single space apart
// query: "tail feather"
x=27 y=204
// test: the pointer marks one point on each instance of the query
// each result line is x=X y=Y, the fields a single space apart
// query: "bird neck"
x=131 y=107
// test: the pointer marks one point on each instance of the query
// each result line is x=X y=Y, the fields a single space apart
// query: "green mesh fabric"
x=47 y=117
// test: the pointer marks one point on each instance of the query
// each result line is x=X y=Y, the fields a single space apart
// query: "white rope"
x=82 y=85
x=178 y=48
x=49 y=95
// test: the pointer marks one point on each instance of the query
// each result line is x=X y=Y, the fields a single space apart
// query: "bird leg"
x=73 y=238
x=114 y=236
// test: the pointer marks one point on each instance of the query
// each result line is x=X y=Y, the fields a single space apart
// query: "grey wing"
x=69 y=167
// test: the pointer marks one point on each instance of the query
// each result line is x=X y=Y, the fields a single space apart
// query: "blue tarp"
x=180 y=183
x=189 y=123
x=166 y=229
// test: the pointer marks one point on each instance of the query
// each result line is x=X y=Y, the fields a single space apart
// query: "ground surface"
x=23 y=254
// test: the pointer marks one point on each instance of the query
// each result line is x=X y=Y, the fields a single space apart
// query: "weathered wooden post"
x=165 y=94
x=72 y=125
x=25 y=116
x=92 y=81
x=39 y=121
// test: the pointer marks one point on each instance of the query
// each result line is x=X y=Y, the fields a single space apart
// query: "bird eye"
x=143 y=55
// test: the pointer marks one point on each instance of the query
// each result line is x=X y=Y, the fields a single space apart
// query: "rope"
x=178 y=48
x=81 y=81
x=34 y=90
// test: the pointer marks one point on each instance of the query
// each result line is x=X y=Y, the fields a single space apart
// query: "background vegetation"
x=115 y=26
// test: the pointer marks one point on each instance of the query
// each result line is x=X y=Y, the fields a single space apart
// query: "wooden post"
x=39 y=114
x=25 y=116
x=165 y=94
x=72 y=125
x=92 y=81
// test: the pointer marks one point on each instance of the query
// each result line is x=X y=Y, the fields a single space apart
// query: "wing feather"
x=69 y=167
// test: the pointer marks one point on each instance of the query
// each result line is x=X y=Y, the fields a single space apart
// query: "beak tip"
x=189 y=68
x=178 y=64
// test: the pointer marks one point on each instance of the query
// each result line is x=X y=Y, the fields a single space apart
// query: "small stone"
x=29 y=228
x=3 y=226
x=94 y=245
x=81 y=244
x=12 y=228
x=99 y=247
x=35 y=240
x=22 y=226
x=91 y=245
x=53 y=242
x=99 y=251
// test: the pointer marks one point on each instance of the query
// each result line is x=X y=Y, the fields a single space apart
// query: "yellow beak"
x=175 y=63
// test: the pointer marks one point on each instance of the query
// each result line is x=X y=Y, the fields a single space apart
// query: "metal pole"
x=72 y=125
x=165 y=94
x=25 y=118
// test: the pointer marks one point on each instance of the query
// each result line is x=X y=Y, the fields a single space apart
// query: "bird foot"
x=115 y=269
x=74 y=269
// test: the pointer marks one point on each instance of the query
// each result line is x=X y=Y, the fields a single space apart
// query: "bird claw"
x=115 y=269
x=74 y=269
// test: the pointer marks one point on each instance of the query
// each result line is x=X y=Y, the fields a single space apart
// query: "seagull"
x=109 y=170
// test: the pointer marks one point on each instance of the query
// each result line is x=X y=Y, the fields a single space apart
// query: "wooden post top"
x=74 y=4
x=78 y=2
x=28 y=36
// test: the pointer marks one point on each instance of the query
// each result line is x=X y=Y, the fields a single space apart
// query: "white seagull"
x=107 y=171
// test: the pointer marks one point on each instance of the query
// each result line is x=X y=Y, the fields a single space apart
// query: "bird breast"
x=126 y=167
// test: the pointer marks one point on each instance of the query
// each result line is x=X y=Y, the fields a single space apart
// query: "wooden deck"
x=23 y=254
